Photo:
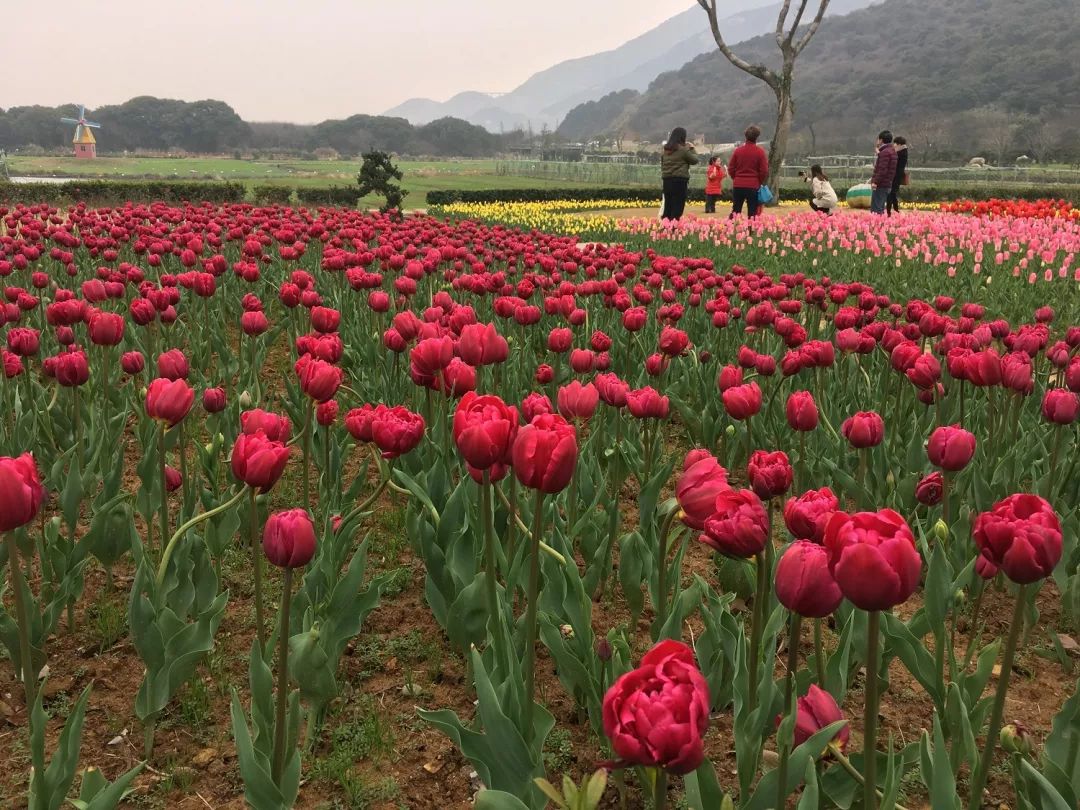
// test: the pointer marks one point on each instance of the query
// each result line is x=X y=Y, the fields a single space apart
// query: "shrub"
x=272 y=195
x=113 y=192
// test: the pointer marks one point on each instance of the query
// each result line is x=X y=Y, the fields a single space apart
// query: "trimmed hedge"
x=914 y=193
x=272 y=195
x=345 y=196
x=120 y=191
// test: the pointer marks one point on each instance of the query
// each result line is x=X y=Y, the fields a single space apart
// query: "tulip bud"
x=1015 y=739
x=603 y=650
x=245 y=400
x=729 y=431
x=959 y=598
x=941 y=530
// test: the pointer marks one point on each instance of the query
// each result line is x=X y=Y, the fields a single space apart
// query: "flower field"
x=323 y=508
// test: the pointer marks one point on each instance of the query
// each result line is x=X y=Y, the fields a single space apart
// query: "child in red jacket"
x=714 y=184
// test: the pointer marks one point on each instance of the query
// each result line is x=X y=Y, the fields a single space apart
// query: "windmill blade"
x=91 y=124
x=82 y=111
x=68 y=121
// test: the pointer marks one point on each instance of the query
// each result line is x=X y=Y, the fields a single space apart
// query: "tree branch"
x=795 y=25
x=760 y=71
x=805 y=39
x=781 y=18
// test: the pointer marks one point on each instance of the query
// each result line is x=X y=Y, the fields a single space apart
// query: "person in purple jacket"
x=884 y=173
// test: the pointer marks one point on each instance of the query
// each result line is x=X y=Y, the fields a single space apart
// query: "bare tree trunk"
x=813 y=137
x=785 y=112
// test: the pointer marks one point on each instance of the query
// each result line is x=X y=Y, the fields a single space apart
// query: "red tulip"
x=358 y=421
x=378 y=301
x=396 y=431
x=657 y=714
x=925 y=371
x=132 y=363
x=560 y=340
x=173 y=481
x=873 y=558
x=703 y=478
x=930 y=489
x=1017 y=373
x=24 y=341
x=613 y=390
x=106 y=329
x=277 y=428
x=738 y=526
x=254 y=323
x=742 y=401
x=647 y=403
x=12 y=365
x=324 y=319
x=577 y=401
x=729 y=377
x=1021 y=535
x=535 y=404
x=169 y=401
x=581 y=361
x=951 y=447
x=1060 y=407
x=213 y=400
x=816 y=710
x=289 y=539
x=21 y=492
x=770 y=474
x=801 y=411
x=71 y=369
x=326 y=413
x=480 y=344
x=806 y=515
x=258 y=461
x=804 y=584
x=545 y=453
x=484 y=430
x=173 y=365
x=544 y=374
x=673 y=342
x=864 y=429
x=318 y=379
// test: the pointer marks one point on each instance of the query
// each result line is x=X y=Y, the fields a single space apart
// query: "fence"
x=613 y=174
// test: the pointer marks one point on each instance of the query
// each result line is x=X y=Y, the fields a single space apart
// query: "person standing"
x=881 y=182
x=675 y=162
x=749 y=169
x=823 y=195
x=714 y=184
x=893 y=203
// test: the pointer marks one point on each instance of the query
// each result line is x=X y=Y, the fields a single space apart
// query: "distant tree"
x=377 y=176
x=780 y=83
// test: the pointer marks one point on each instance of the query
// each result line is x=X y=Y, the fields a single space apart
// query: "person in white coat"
x=823 y=196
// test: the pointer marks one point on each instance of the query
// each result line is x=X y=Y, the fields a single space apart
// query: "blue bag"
x=764 y=195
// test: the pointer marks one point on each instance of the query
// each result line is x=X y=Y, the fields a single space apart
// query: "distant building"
x=85 y=143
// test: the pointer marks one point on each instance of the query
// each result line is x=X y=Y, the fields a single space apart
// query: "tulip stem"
x=845 y=763
x=527 y=532
x=870 y=711
x=163 y=515
x=26 y=663
x=819 y=652
x=307 y=456
x=757 y=619
x=802 y=459
x=1059 y=433
x=978 y=782
x=511 y=530
x=863 y=454
x=76 y=420
x=182 y=450
x=794 y=632
x=278 y=762
x=166 y=555
x=530 y=616
x=945 y=481
x=661 y=571
x=256 y=558
x=660 y=792
x=495 y=616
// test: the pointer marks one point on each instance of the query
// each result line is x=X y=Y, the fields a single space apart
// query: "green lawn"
x=421 y=176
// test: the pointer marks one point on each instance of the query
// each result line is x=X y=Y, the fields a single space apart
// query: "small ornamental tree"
x=377 y=176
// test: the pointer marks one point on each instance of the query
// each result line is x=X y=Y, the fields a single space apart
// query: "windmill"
x=84 y=141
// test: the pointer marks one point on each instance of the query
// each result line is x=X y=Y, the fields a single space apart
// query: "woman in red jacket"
x=714 y=179
x=749 y=168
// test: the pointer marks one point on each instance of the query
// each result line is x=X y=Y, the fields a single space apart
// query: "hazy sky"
x=299 y=60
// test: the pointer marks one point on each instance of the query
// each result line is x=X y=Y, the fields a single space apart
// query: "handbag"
x=906 y=179
x=764 y=195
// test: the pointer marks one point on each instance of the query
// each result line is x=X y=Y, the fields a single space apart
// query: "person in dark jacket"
x=748 y=169
x=881 y=182
x=893 y=203
x=675 y=162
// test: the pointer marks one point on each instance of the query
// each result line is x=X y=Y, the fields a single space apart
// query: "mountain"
x=955 y=76
x=546 y=97
x=209 y=127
